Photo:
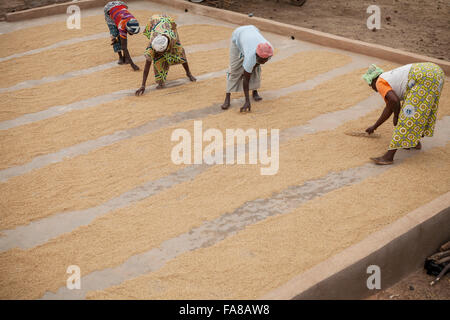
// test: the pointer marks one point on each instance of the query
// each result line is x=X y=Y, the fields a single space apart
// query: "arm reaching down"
x=141 y=90
x=392 y=106
x=246 y=83
x=394 y=102
x=126 y=53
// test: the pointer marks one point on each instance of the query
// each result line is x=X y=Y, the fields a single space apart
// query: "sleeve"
x=383 y=87
x=123 y=29
x=149 y=54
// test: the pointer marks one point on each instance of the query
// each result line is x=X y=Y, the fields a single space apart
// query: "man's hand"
x=246 y=107
x=135 y=67
x=140 y=91
x=114 y=40
x=371 y=129
x=245 y=84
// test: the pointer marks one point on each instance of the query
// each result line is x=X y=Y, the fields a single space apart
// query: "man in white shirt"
x=248 y=51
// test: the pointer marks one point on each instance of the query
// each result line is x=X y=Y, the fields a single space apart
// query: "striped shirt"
x=120 y=15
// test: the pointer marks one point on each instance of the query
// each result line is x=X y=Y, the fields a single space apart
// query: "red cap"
x=264 y=50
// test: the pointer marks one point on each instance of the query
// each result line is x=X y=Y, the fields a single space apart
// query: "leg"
x=121 y=58
x=226 y=103
x=188 y=72
x=387 y=158
x=256 y=96
x=161 y=68
x=161 y=85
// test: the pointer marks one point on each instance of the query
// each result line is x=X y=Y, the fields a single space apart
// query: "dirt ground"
x=18 y=5
x=413 y=25
x=416 y=286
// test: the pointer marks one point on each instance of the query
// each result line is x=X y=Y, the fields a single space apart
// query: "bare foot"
x=256 y=96
x=382 y=161
x=191 y=77
x=226 y=103
x=161 y=86
x=247 y=107
x=120 y=61
x=419 y=146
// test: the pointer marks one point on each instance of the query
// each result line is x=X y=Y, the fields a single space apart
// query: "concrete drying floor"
x=86 y=177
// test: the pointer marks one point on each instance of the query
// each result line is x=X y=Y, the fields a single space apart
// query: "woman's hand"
x=113 y=40
x=395 y=119
x=140 y=91
x=371 y=129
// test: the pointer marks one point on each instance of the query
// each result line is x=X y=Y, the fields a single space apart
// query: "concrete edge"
x=398 y=249
x=304 y=34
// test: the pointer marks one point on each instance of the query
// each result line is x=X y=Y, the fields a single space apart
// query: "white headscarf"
x=160 y=43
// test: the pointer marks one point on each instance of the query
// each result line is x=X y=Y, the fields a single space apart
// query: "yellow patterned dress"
x=164 y=25
x=418 y=112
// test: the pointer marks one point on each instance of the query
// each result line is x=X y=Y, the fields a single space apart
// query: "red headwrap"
x=264 y=50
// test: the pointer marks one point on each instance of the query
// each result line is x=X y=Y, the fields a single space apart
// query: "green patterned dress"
x=418 y=112
x=164 y=25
